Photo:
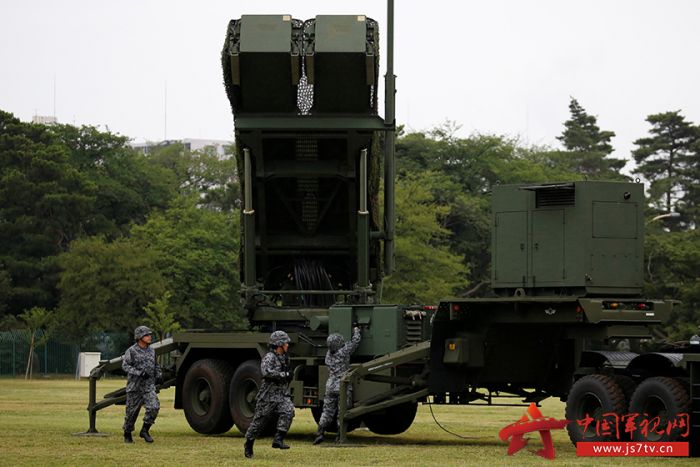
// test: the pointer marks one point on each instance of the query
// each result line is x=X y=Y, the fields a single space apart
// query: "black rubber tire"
x=205 y=396
x=393 y=420
x=245 y=384
x=660 y=396
x=628 y=387
x=592 y=396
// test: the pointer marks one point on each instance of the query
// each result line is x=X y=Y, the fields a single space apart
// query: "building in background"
x=189 y=143
x=44 y=119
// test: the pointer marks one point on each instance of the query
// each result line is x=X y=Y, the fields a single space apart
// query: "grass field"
x=38 y=419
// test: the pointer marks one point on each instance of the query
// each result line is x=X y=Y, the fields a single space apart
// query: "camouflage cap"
x=142 y=331
x=279 y=338
x=335 y=342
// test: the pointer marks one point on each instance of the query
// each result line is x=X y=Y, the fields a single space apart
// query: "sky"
x=150 y=69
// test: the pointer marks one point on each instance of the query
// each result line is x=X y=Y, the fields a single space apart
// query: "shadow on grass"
x=364 y=439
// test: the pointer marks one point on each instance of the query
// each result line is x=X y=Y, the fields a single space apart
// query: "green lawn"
x=38 y=419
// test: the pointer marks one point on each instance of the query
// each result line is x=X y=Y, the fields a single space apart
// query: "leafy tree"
x=673 y=271
x=128 y=185
x=478 y=162
x=44 y=202
x=36 y=319
x=196 y=253
x=582 y=134
x=180 y=266
x=466 y=161
x=9 y=322
x=105 y=285
x=665 y=157
x=425 y=268
x=5 y=290
x=689 y=205
x=59 y=184
x=587 y=146
x=160 y=317
x=203 y=172
x=532 y=165
x=469 y=221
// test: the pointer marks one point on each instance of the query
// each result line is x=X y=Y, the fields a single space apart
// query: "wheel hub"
x=202 y=397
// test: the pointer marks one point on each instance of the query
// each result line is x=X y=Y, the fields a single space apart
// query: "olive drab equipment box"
x=587 y=237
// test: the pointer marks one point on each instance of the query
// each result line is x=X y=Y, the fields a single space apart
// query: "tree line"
x=98 y=236
x=95 y=234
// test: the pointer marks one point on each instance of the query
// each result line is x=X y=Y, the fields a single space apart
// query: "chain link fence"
x=54 y=357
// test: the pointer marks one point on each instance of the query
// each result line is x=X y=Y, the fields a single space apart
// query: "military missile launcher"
x=567 y=263
x=303 y=95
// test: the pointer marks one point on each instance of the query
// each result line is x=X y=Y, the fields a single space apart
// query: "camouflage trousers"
x=134 y=401
x=329 y=420
x=265 y=410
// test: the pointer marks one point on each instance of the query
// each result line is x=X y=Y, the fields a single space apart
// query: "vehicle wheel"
x=661 y=397
x=205 y=396
x=591 y=397
x=318 y=411
x=393 y=420
x=241 y=398
x=627 y=385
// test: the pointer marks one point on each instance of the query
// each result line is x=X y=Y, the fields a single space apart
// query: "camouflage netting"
x=229 y=47
x=373 y=48
x=305 y=91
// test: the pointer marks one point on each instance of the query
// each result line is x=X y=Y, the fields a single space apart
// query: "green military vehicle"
x=566 y=272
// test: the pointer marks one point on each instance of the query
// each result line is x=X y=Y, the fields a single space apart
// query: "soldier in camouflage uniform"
x=273 y=396
x=338 y=362
x=139 y=363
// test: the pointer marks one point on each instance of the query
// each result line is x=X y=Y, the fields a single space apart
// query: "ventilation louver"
x=546 y=197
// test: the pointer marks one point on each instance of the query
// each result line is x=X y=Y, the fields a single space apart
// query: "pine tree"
x=666 y=158
x=587 y=146
x=690 y=203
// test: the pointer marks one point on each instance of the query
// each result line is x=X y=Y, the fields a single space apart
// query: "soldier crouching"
x=273 y=397
x=338 y=362
x=143 y=372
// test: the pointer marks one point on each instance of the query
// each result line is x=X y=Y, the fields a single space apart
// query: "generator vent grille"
x=414 y=331
x=555 y=197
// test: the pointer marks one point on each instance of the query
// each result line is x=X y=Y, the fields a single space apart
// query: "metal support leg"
x=363 y=284
x=249 y=279
x=389 y=145
x=92 y=411
x=342 y=409
x=91 y=405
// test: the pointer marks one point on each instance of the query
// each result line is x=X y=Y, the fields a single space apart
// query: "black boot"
x=248 y=447
x=278 y=442
x=319 y=436
x=144 y=433
x=127 y=437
